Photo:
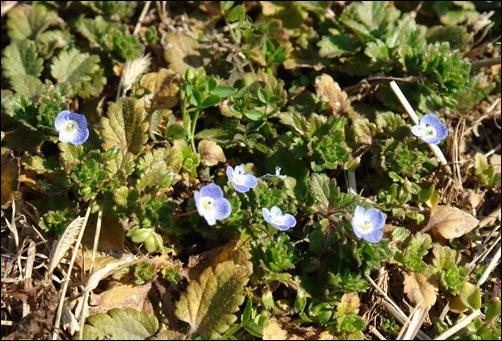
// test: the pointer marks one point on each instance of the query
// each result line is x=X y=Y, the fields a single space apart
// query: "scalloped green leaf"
x=125 y=127
x=26 y=22
x=81 y=70
x=21 y=58
x=209 y=304
x=120 y=324
x=158 y=168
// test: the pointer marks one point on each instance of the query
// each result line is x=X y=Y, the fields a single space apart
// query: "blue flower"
x=72 y=127
x=211 y=204
x=241 y=181
x=278 y=220
x=368 y=224
x=430 y=129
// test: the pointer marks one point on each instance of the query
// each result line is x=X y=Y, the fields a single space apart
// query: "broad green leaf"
x=81 y=70
x=336 y=46
x=125 y=127
x=209 y=304
x=157 y=168
x=27 y=85
x=223 y=91
x=470 y=295
x=323 y=189
x=120 y=324
x=21 y=58
x=25 y=22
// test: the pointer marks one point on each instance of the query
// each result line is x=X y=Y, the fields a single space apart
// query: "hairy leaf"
x=26 y=22
x=158 y=168
x=125 y=127
x=120 y=324
x=209 y=304
x=81 y=70
x=21 y=58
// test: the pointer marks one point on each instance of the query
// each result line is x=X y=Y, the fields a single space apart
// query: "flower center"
x=71 y=126
x=367 y=226
x=207 y=204
x=278 y=220
x=430 y=131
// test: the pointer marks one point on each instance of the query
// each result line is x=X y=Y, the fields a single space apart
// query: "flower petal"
x=222 y=208
x=212 y=190
x=374 y=236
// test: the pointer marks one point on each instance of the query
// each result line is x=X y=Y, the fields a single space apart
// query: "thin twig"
x=493 y=263
x=142 y=16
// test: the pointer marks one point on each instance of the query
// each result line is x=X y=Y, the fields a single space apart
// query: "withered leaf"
x=450 y=221
x=419 y=287
x=10 y=177
x=210 y=153
x=330 y=92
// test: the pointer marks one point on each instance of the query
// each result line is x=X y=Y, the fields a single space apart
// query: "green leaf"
x=26 y=22
x=209 y=304
x=81 y=70
x=157 y=168
x=336 y=46
x=27 y=85
x=125 y=127
x=120 y=324
x=223 y=91
x=470 y=296
x=21 y=58
x=321 y=186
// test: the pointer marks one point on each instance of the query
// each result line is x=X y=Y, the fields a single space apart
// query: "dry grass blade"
x=64 y=243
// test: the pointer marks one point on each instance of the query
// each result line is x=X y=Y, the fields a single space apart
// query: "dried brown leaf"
x=419 y=287
x=210 y=153
x=450 y=221
x=330 y=92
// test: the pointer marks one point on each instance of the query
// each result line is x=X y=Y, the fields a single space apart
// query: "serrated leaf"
x=120 y=324
x=27 y=85
x=125 y=127
x=209 y=304
x=420 y=287
x=26 y=22
x=158 y=168
x=21 y=58
x=450 y=221
x=81 y=70
x=321 y=186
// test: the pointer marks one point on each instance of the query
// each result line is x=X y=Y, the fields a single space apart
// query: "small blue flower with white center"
x=368 y=224
x=241 y=181
x=211 y=204
x=274 y=217
x=72 y=127
x=430 y=129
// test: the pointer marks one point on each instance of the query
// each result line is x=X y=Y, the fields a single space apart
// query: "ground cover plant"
x=250 y=170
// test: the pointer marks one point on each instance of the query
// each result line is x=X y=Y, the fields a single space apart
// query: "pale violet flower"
x=278 y=220
x=241 y=181
x=368 y=224
x=72 y=127
x=211 y=204
x=430 y=129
